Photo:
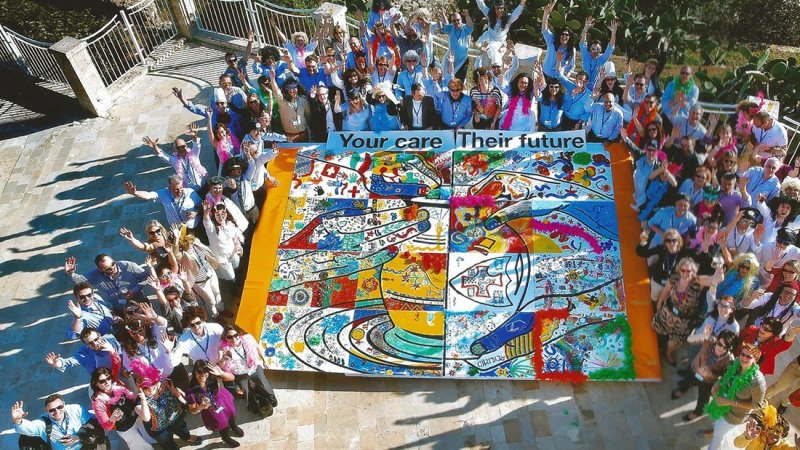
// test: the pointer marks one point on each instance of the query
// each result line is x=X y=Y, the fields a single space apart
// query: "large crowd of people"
x=719 y=207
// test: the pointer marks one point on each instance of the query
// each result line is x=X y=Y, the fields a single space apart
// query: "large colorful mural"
x=494 y=261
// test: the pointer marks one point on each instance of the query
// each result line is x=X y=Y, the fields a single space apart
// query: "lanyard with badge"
x=206 y=340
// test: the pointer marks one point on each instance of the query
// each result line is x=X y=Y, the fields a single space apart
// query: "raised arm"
x=277 y=29
x=467 y=18
x=586 y=25
x=130 y=188
x=546 y=15
x=249 y=49
x=484 y=9
x=613 y=27
x=210 y=128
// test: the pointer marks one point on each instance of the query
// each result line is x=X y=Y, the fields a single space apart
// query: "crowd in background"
x=718 y=202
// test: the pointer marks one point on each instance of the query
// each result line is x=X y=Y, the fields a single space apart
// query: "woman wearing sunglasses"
x=114 y=405
x=157 y=244
x=163 y=408
x=710 y=363
x=209 y=398
x=738 y=392
x=240 y=355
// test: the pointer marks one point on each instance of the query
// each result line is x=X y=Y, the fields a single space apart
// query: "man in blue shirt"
x=592 y=55
x=89 y=310
x=97 y=351
x=455 y=109
x=678 y=217
x=236 y=66
x=762 y=180
x=115 y=281
x=310 y=75
x=679 y=96
x=66 y=421
x=606 y=120
x=458 y=35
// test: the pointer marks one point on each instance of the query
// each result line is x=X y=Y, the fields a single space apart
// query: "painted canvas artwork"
x=448 y=262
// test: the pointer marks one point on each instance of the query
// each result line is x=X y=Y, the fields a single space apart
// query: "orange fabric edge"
x=635 y=276
x=266 y=238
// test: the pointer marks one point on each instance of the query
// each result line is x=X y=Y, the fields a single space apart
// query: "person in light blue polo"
x=606 y=120
x=592 y=55
x=576 y=97
x=678 y=217
x=762 y=180
x=455 y=109
x=679 y=96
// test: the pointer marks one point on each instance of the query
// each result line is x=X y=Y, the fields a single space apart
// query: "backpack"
x=36 y=442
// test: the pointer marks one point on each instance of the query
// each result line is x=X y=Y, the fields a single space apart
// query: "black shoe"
x=272 y=400
x=197 y=440
x=676 y=394
x=228 y=440
x=782 y=409
x=237 y=431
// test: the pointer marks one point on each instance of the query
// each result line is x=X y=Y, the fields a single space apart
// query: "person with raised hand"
x=566 y=47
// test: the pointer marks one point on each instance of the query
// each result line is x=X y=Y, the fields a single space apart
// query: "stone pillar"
x=338 y=12
x=72 y=55
x=183 y=16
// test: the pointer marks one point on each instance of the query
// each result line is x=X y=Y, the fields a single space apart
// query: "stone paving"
x=61 y=194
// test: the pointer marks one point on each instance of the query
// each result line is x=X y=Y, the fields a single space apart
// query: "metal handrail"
x=43 y=45
x=89 y=39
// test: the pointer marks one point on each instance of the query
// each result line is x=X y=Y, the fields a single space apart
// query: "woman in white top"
x=240 y=355
x=520 y=113
x=499 y=23
x=225 y=238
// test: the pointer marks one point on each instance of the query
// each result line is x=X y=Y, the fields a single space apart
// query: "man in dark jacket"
x=418 y=111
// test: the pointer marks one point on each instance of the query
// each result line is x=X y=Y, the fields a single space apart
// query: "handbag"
x=93 y=436
x=209 y=255
x=259 y=403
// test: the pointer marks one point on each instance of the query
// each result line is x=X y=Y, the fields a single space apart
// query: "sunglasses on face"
x=110 y=269
x=86 y=296
x=744 y=267
x=157 y=230
x=220 y=103
x=103 y=380
x=383 y=65
x=57 y=408
x=671 y=241
x=726 y=305
x=181 y=147
x=231 y=337
x=639 y=84
x=196 y=324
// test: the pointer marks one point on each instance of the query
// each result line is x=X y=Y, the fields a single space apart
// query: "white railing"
x=152 y=24
x=235 y=17
x=793 y=135
x=129 y=38
x=271 y=18
x=32 y=57
x=113 y=51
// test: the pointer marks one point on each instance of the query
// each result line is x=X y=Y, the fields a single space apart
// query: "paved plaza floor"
x=61 y=194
